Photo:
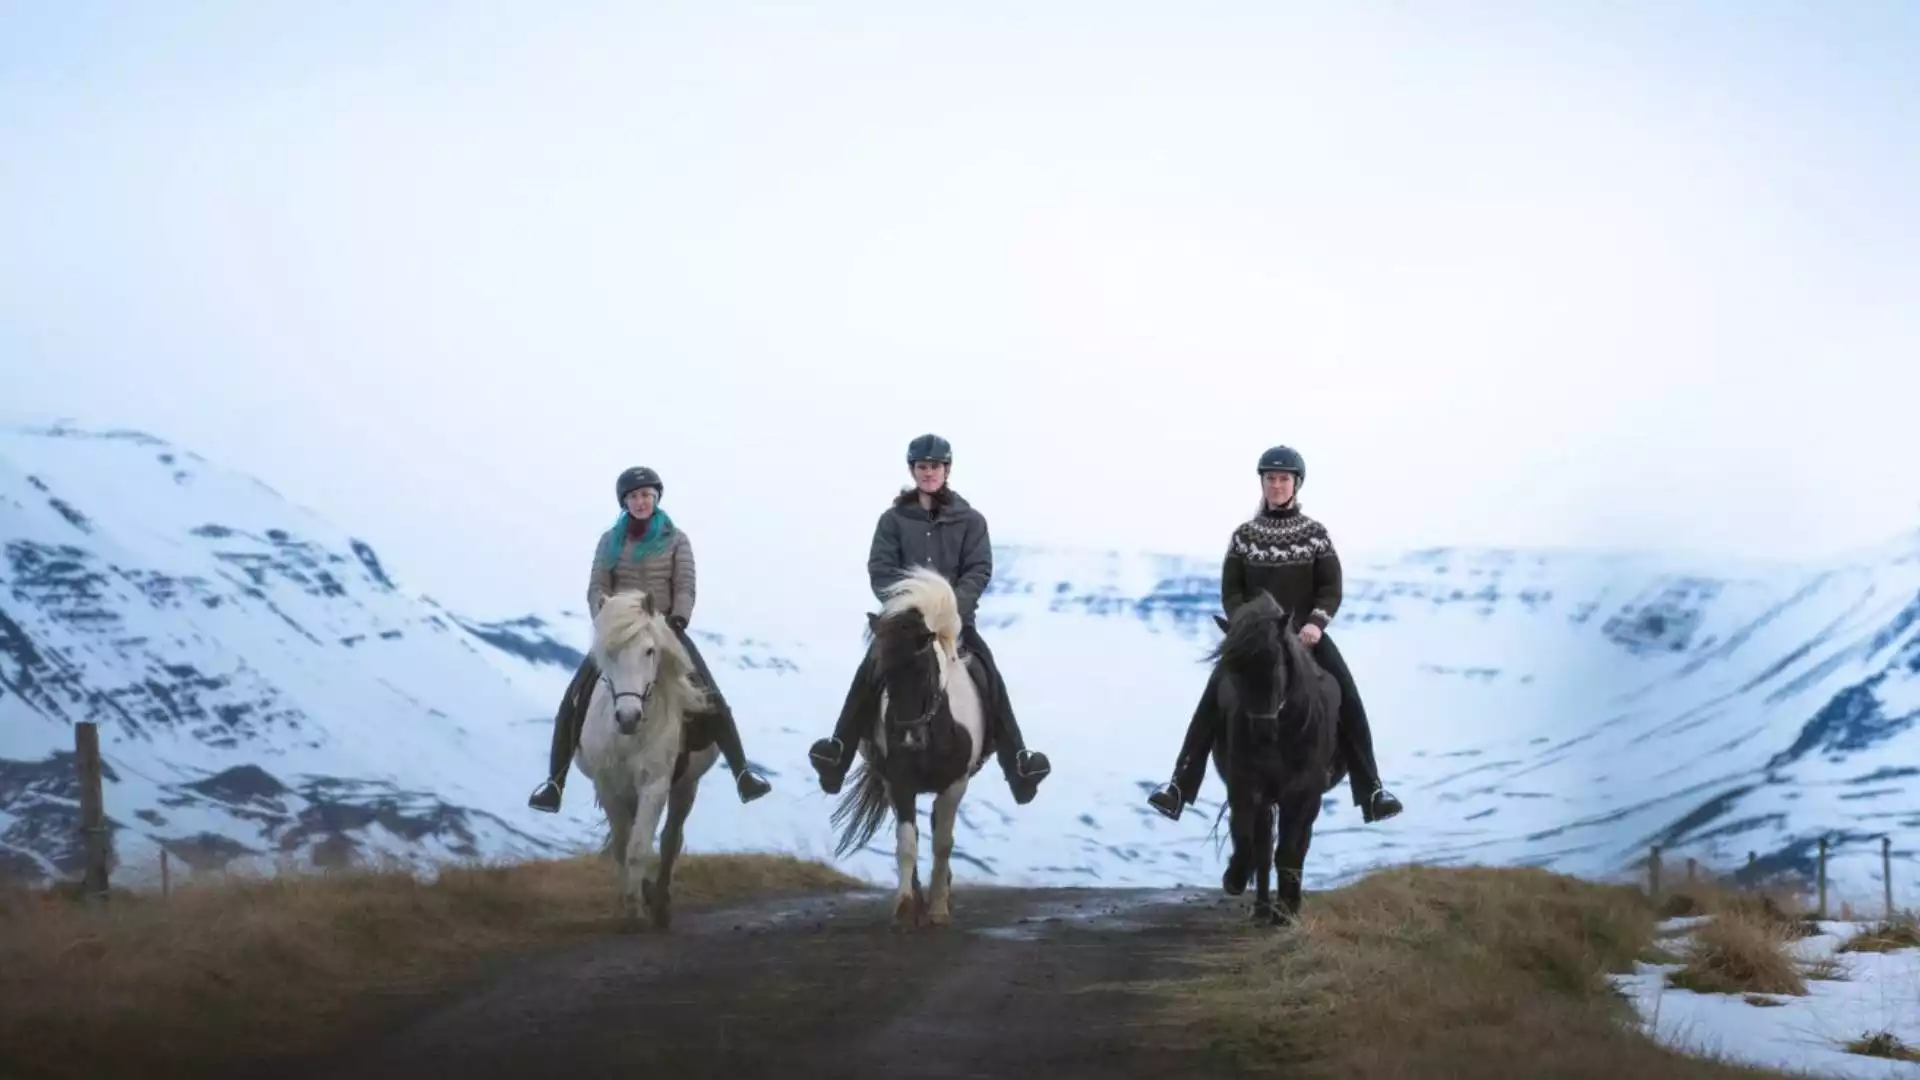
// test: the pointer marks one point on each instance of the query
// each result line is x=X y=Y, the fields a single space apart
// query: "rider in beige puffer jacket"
x=645 y=550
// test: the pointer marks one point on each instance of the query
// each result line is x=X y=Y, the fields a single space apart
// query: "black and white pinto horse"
x=1278 y=754
x=631 y=742
x=927 y=739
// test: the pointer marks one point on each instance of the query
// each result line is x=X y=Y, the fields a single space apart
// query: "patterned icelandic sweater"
x=1288 y=555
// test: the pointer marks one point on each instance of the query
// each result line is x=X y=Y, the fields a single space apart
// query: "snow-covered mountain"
x=265 y=686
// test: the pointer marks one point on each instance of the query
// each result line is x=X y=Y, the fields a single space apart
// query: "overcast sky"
x=1600 y=274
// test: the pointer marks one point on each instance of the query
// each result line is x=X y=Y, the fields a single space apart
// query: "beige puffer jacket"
x=667 y=573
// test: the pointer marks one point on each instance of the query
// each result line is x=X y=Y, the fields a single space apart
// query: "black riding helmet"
x=1284 y=459
x=636 y=478
x=930 y=448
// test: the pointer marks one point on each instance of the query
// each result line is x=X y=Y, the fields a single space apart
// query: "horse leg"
x=641 y=855
x=620 y=808
x=1296 y=835
x=672 y=836
x=1262 y=850
x=906 y=852
x=1233 y=881
x=945 y=808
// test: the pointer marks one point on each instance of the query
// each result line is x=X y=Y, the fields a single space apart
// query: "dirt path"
x=823 y=987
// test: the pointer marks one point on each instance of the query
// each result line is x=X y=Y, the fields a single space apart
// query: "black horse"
x=929 y=739
x=1279 y=753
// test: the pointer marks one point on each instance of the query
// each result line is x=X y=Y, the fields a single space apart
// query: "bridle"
x=645 y=696
x=908 y=728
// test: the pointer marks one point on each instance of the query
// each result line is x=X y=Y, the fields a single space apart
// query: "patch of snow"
x=1880 y=993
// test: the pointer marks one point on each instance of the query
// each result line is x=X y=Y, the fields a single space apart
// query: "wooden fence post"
x=93 y=811
x=1752 y=857
x=166 y=877
x=1653 y=873
x=1823 y=877
x=1886 y=872
x=1692 y=866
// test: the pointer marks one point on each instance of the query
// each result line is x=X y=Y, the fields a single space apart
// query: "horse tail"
x=861 y=809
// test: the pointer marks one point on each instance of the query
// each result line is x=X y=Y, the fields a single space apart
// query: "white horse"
x=634 y=731
x=928 y=738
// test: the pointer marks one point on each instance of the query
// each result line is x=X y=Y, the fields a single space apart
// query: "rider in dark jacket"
x=645 y=551
x=930 y=525
x=1288 y=555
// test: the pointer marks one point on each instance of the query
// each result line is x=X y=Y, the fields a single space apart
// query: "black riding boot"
x=718 y=720
x=1024 y=768
x=833 y=756
x=1355 y=735
x=566 y=735
x=1190 y=768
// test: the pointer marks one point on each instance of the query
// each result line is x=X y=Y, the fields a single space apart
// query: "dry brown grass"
x=1428 y=973
x=1901 y=932
x=1786 y=904
x=280 y=965
x=1741 y=953
x=1883 y=1044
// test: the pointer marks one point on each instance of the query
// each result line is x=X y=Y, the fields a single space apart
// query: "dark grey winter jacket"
x=952 y=539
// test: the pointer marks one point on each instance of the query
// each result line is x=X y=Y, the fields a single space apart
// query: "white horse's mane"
x=927 y=592
x=625 y=617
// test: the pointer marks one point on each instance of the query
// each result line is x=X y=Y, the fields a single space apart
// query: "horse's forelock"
x=931 y=595
x=1255 y=636
x=896 y=637
x=624 y=619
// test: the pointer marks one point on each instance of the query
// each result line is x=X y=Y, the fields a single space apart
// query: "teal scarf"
x=655 y=540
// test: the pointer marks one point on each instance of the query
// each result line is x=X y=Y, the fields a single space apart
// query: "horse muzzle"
x=627 y=721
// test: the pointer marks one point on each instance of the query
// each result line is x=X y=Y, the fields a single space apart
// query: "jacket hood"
x=948 y=501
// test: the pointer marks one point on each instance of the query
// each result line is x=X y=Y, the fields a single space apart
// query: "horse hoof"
x=906 y=913
x=659 y=905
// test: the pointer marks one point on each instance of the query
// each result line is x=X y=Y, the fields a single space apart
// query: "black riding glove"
x=679 y=623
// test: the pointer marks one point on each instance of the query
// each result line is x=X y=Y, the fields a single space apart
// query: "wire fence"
x=1664 y=878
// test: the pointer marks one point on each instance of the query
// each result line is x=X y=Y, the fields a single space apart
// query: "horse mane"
x=623 y=618
x=931 y=595
x=1256 y=635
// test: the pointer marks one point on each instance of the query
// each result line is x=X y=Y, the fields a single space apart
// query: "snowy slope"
x=262 y=685
x=1550 y=708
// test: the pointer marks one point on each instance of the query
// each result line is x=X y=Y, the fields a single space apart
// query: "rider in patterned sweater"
x=645 y=550
x=1289 y=555
x=930 y=525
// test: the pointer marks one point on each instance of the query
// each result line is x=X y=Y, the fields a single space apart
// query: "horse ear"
x=1221 y=622
x=873 y=620
x=646 y=604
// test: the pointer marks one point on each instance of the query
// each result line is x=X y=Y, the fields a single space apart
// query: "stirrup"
x=750 y=785
x=840 y=751
x=546 y=797
x=1167 y=800
x=1380 y=805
